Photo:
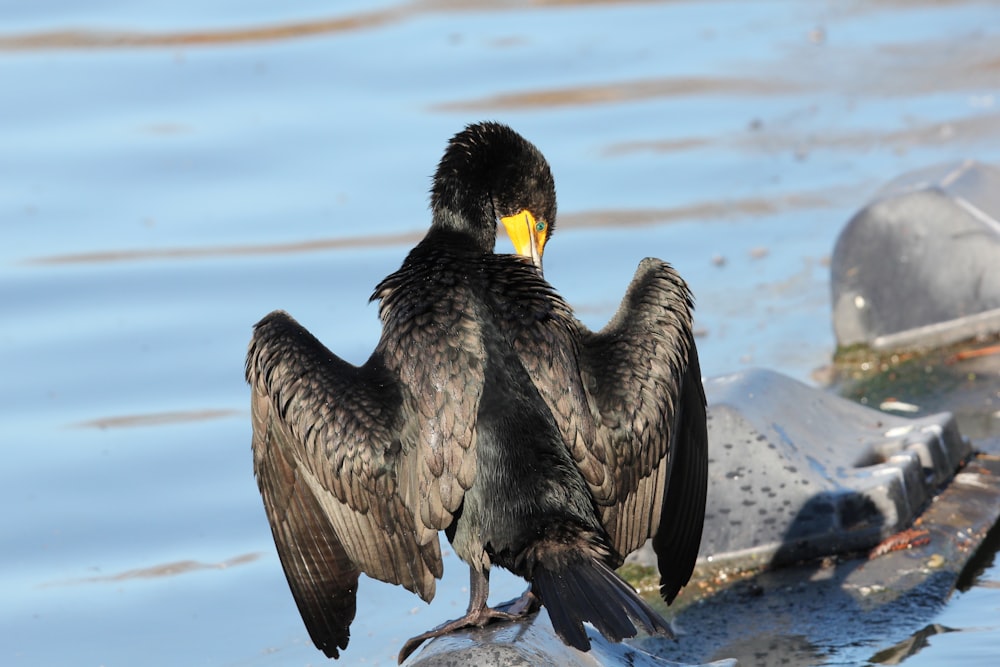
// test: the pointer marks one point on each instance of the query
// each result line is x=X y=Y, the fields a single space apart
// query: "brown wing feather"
x=326 y=447
x=631 y=408
x=321 y=575
x=642 y=371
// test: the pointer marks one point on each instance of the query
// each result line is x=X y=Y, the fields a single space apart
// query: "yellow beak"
x=527 y=234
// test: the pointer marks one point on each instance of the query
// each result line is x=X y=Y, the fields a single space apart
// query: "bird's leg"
x=478 y=615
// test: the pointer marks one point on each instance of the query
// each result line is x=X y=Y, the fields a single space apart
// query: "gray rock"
x=919 y=267
x=840 y=611
x=798 y=473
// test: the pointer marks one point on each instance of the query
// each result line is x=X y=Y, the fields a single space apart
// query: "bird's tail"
x=584 y=589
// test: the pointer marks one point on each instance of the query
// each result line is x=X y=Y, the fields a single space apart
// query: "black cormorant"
x=490 y=412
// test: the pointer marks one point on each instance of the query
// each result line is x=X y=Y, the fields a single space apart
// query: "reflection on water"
x=618 y=92
x=202 y=252
x=155 y=419
x=165 y=570
x=898 y=653
x=708 y=211
x=111 y=39
x=171 y=175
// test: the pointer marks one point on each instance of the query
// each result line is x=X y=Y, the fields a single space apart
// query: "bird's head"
x=490 y=174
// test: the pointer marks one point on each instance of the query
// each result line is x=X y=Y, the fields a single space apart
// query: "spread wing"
x=638 y=433
x=326 y=446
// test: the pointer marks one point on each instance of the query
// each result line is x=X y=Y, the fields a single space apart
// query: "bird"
x=488 y=411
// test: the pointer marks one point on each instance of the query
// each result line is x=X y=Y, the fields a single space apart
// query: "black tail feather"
x=565 y=621
x=613 y=626
x=587 y=590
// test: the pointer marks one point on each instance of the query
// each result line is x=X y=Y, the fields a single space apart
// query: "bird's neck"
x=452 y=227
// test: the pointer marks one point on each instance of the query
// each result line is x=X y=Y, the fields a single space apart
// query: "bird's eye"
x=539 y=226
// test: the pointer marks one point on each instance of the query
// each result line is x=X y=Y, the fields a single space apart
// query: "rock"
x=798 y=473
x=919 y=266
x=842 y=610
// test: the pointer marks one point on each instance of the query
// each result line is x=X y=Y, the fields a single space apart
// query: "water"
x=169 y=174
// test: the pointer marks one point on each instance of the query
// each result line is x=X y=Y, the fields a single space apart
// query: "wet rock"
x=919 y=267
x=797 y=473
x=844 y=610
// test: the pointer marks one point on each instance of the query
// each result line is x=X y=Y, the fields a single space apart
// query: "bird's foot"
x=474 y=619
x=523 y=606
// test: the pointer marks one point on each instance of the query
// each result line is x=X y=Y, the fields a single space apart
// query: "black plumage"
x=488 y=411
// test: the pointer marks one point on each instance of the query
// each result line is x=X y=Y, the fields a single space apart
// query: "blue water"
x=170 y=173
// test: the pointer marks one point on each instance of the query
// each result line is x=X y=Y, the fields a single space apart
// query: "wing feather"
x=326 y=448
x=677 y=541
x=643 y=374
x=631 y=408
x=322 y=577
